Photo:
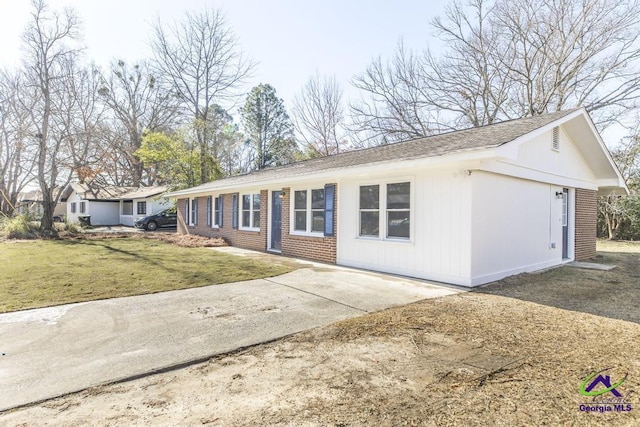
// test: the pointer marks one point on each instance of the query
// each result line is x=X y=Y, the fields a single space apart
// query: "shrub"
x=19 y=227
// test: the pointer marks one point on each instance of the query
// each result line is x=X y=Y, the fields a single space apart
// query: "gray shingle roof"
x=115 y=193
x=432 y=146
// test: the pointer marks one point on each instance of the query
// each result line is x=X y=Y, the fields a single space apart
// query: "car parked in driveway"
x=162 y=219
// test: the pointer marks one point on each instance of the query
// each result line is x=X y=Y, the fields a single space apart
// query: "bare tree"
x=200 y=60
x=137 y=102
x=318 y=116
x=507 y=59
x=563 y=53
x=397 y=107
x=48 y=45
x=621 y=214
x=16 y=157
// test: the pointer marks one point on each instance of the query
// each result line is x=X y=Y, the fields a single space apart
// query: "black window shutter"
x=220 y=210
x=234 y=207
x=329 y=193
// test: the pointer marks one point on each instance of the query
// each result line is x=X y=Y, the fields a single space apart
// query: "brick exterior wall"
x=586 y=223
x=254 y=240
x=315 y=248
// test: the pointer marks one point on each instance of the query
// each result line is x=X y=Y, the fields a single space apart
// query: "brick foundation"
x=310 y=247
x=586 y=223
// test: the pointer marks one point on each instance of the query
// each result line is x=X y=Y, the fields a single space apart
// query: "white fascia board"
x=333 y=175
x=517 y=171
x=606 y=152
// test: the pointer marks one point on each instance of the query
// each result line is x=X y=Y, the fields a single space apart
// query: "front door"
x=276 y=220
x=565 y=223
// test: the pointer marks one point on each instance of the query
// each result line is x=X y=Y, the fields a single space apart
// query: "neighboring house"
x=31 y=203
x=112 y=205
x=466 y=207
x=141 y=202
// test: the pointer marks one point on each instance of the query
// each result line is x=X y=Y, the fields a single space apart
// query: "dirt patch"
x=184 y=240
x=480 y=358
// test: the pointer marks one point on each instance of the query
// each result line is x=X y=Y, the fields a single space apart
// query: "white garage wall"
x=441 y=223
x=104 y=213
x=515 y=222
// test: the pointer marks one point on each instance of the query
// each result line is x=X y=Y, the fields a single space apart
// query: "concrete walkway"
x=49 y=352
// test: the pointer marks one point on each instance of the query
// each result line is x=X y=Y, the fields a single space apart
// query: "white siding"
x=440 y=246
x=102 y=213
x=515 y=223
x=537 y=154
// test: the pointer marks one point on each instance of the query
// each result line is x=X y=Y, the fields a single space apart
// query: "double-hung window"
x=217 y=212
x=370 y=211
x=399 y=210
x=251 y=211
x=194 y=212
x=394 y=200
x=142 y=208
x=73 y=207
x=83 y=207
x=308 y=211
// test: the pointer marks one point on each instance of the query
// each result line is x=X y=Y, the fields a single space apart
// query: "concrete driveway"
x=53 y=351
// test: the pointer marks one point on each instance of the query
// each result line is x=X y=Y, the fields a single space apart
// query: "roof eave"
x=333 y=173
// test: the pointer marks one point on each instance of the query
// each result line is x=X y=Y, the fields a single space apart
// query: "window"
x=73 y=207
x=209 y=222
x=234 y=211
x=83 y=207
x=300 y=210
x=370 y=210
x=565 y=208
x=309 y=212
x=556 y=139
x=251 y=211
x=141 y=208
x=127 y=207
x=217 y=212
x=194 y=212
x=397 y=210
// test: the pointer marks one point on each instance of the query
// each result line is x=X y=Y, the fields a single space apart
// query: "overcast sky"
x=289 y=39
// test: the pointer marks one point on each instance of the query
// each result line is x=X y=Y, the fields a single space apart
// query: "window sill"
x=304 y=234
x=387 y=240
x=254 y=230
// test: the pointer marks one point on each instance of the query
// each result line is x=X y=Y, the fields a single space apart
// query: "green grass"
x=44 y=273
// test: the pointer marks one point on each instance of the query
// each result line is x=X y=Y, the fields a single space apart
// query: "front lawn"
x=44 y=273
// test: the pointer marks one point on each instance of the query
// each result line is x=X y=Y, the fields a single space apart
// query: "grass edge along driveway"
x=51 y=272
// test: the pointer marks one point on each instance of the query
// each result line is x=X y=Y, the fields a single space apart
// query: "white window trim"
x=82 y=208
x=193 y=223
x=292 y=210
x=251 y=211
x=382 y=209
x=214 y=216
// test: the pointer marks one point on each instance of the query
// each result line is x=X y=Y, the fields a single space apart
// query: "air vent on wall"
x=556 y=138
